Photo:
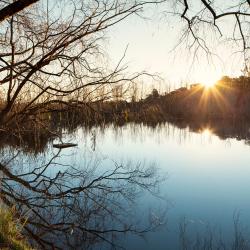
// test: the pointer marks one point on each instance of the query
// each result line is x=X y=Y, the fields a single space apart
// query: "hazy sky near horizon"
x=150 y=47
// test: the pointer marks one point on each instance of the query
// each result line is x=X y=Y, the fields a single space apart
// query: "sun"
x=207 y=78
x=208 y=84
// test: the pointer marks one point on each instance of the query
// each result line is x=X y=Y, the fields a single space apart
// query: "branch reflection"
x=65 y=206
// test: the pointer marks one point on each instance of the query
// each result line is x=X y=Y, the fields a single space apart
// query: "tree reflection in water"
x=64 y=206
x=212 y=238
x=72 y=206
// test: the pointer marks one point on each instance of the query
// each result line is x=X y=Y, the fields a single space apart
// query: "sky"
x=150 y=47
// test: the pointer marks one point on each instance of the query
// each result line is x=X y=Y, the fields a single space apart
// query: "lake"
x=199 y=200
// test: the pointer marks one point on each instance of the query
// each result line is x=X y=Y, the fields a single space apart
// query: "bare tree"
x=51 y=53
x=208 y=21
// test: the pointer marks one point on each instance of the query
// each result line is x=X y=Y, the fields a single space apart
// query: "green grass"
x=10 y=231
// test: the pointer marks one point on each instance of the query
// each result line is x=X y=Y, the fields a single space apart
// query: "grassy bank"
x=11 y=231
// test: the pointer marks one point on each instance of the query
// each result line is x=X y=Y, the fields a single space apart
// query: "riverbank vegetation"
x=11 y=236
x=220 y=107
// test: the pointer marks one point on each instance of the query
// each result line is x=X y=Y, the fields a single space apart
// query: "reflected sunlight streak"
x=206 y=132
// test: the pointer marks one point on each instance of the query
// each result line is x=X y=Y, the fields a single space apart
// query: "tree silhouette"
x=51 y=54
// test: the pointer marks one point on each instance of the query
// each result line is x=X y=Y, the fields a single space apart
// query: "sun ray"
x=194 y=91
x=221 y=101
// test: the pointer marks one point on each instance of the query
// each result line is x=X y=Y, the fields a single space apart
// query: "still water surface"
x=204 y=185
x=207 y=181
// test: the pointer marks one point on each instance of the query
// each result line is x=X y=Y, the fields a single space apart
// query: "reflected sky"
x=208 y=178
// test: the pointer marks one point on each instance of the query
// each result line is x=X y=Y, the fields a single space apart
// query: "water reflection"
x=37 y=140
x=211 y=237
x=85 y=197
x=67 y=205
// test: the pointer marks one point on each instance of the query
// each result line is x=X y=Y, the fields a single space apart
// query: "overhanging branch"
x=14 y=8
